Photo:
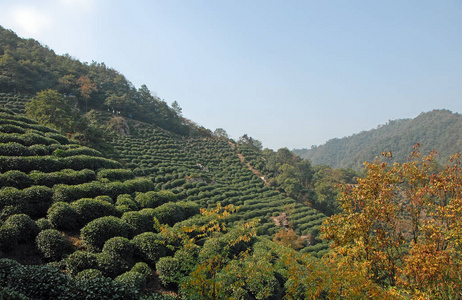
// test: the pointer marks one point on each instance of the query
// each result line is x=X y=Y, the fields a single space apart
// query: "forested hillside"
x=106 y=192
x=437 y=129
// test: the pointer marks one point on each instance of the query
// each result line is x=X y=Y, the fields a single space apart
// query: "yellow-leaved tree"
x=402 y=226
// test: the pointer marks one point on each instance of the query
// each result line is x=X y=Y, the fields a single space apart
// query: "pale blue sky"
x=289 y=73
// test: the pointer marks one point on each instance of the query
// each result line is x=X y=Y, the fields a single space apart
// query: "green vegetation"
x=437 y=129
x=162 y=200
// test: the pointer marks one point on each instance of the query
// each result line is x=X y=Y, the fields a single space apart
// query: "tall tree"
x=86 y=88
x=50 y=108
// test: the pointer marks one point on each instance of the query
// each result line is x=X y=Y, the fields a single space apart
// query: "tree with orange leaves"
x=86 y=88
x=403 y=225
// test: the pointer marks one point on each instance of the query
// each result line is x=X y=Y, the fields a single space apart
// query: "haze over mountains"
x=438 y=129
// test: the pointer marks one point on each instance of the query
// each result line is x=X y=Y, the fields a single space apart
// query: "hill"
x=437 y=129
x=163 y=204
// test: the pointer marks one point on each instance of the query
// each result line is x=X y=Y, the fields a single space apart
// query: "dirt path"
x=256 y=172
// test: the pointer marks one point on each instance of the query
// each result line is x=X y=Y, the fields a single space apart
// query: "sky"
x=288 y=73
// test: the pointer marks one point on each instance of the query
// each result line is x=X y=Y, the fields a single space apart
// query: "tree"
x=250 y=142
x=176 y=108
x=86 y=88
x=220 y=133
x=50 y=108
x=402 y=225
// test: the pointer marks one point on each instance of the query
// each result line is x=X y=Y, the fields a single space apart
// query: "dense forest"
x=437 y=129
x=107 y=192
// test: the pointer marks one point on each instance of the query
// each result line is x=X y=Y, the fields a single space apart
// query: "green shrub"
x=9 y=236
x=113 y=189
x=39 y=282
x=81 y=260
x=62 y=215
x=38 y=199
x=103 y=288
x=88 y=274
x=98 y=231
x=126 y=199
x=133 y=279
x=169 y=213
x=169 y=270
x=43 y=223
x=139 y=222
x=70 y=193
x=119 y=246
x=139 y=185
x=148 y=200
x=105 y=198
x=77 y=151
x=51 y=243
x=190 y=209
x=88 y=209
x=15 y=179
x=25 y=225
x=149 y=246
x=111 y=266
x=143 y=268
x=116 y=174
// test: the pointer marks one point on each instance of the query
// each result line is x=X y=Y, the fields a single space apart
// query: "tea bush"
x=88 y=209
x=25 y=226
x=111 y=266
x=81 y=260
x=143 y=268
x=134 y=279
x=63 y=216
x=150 y=247
x=88 y=274
x=169 y=270
x=139 y=222
x=119 y=246
x=98 y=231
x=51 y=243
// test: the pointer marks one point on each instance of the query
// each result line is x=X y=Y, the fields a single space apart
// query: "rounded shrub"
x=38 y=199
x=190 y=209
x=43 y=223
x=25 y=225
x=8 y=237
x=126 y=199
x=116 y=174
x=169 y=270
x=148 y=200
x=62 y=215
x=105 y=198
x=81 y=260
x=119 y=246
x=88 y=209
x=149 y=246
x=51 y=243
x=15 y=179
x=88 y=274
x=111 y=266
x=98 y=231
x=133 y=279
x=143 y=268
x=139 y=222
x=169 y=213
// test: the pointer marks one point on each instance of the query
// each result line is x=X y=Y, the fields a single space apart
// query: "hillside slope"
x=437 y=129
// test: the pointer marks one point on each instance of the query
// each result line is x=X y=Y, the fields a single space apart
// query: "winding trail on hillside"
x=249 y=166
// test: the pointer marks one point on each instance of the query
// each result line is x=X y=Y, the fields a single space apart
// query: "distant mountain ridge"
x=438 y=129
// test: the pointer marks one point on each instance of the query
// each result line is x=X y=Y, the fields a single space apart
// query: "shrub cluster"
x=98 y=231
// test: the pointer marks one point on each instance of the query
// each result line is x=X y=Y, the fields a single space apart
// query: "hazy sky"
x=289 y=73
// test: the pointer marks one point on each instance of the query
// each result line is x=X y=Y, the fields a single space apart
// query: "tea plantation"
x=132 y=226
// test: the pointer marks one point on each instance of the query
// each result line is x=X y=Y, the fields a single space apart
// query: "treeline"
x=27 y=67
x=437 y=129
x=316 y=186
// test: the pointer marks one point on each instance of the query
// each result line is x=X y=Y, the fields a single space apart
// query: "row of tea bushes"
x=174 y=164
